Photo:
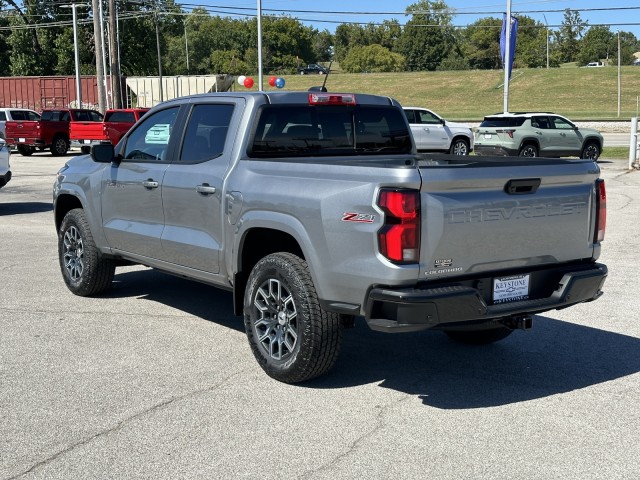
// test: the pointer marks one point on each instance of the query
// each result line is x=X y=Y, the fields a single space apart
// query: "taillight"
x=399 y=238
x=601 y=211
x=508 y=132
x=332 y=99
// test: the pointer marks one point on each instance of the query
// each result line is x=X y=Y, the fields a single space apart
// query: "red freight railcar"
x=38 y=93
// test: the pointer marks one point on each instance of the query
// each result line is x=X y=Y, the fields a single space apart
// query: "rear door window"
x=206 y=132
x=120 y=117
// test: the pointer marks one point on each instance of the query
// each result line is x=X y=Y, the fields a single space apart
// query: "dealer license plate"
x=487 y=135
x=87 y=142
x=511 y=289
x=22 y=140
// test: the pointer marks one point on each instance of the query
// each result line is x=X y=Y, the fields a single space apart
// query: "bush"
x=372 y=59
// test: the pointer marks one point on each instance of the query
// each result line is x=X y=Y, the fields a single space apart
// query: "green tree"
x=597 y=44
x=569 y=36
x=428 y=37
x=372 y=59
x=531 y=44
x=481 y=44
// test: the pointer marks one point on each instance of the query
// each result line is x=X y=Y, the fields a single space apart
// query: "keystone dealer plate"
x=511 y=289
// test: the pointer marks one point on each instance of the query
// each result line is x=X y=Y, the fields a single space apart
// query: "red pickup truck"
x=115 y=124
x=51 y=131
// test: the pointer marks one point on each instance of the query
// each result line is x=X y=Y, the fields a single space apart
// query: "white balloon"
x=241 y=80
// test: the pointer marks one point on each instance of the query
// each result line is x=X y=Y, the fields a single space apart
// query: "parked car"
x=9 y=114
x=536 y=134
x=313 y=68
x=116 y=123
x=432 y=133
x=51 y=130
x=5 y=167
x=595 y=64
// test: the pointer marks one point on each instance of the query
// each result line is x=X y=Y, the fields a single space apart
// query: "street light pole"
x=618 y=73
x=260 y=45
x=547 y=23
x=76 y=49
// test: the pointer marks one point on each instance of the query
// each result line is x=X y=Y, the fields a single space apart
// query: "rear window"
x=502 y=122
x=120 y=117
x=311 y=130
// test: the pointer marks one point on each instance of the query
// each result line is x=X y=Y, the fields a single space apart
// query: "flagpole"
x=507 y=57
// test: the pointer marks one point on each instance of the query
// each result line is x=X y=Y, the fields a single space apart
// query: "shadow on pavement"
x=19 y=208
x=553 y=357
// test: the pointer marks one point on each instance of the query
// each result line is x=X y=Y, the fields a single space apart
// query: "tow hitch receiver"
x=517 y=322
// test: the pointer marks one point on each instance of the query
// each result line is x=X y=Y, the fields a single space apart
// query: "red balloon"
x=272 y=81
x=248 y=82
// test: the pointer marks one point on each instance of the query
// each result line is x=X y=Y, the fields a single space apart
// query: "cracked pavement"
x=156 y=378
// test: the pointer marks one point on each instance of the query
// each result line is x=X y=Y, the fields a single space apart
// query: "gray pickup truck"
x=315 y=209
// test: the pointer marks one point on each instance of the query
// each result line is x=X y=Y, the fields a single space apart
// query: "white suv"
x=5 y=168
x=432 y=133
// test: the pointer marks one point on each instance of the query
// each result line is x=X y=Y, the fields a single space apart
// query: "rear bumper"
x=86 y=143
x=414 y=309
x=495 y=150
x=28 y=142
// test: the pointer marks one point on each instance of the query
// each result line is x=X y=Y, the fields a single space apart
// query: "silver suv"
x=533 y=134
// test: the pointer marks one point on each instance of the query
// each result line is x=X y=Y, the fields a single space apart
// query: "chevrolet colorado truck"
x=315 y=209
x=50 y=131
x=115 y=124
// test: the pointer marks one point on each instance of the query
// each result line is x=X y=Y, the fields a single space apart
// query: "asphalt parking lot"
x=156 y=379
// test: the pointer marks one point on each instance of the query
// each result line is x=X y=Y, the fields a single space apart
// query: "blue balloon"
x=279 y=82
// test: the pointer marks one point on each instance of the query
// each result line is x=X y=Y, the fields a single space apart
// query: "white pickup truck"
x=315 y=209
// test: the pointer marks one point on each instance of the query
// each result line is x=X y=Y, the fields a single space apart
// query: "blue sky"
x=610 y=13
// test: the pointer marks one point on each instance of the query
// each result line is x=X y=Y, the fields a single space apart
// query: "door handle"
x=150 y=183
x=205 y=189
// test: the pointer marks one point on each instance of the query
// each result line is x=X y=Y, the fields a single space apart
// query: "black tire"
x=528 y=150
x=479 y=337
x=591 y=151
x=291 y=336
x=85 y=150
x=26 y=150
x=84 y=270
x=459 y=146
x=60 y=146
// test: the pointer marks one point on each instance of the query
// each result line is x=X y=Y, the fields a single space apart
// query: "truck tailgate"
x=488 y=215
x=86 y=131
x=16 y=130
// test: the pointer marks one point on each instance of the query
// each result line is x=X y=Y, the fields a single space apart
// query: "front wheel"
x=591 y=151
x=83 y=269
x=529 y=150
x=26 y=150
x=460 y=146
x=291 y=336
x=60 y=146
x=479 y=337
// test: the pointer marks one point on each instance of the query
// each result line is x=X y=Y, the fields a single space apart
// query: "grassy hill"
x=578 y=93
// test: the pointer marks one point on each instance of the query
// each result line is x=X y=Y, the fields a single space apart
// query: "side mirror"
x=103 y=153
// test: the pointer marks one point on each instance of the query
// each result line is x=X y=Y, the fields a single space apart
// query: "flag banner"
x=512 y=41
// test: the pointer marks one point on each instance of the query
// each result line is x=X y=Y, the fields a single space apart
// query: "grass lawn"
x=578 y=93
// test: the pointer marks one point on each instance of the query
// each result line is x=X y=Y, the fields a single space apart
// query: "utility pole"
x=98 y=49
x=113 y=56
x=159 y=55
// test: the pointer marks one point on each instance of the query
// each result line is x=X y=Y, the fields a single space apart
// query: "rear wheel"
x=591 y=151
x=291 y=336
x=83 y=269
x=460 y=146
x=26 y=150
x=60 y=146
x=479 y=337
x=85 y=150
x=529 y=150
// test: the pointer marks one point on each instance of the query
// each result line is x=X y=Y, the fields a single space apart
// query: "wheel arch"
x=592 y=138
x=64 y=204
x=254 y=244
x=529 y=141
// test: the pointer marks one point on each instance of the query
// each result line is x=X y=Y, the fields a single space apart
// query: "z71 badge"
x=358 y=217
